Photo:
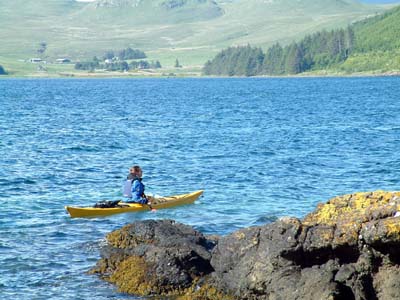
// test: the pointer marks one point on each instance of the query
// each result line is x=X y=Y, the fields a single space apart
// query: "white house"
x=63 y=60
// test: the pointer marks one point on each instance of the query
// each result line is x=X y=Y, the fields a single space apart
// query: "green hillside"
x=191 y=30
x=371 y=45
x=379 y=33
x=377 y=45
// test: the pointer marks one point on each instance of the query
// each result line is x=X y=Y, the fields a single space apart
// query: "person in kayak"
x=138 y=187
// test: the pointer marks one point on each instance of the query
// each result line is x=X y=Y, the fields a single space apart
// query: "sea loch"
x=260 y=148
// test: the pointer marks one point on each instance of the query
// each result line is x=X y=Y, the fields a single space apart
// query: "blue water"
x=261 y=149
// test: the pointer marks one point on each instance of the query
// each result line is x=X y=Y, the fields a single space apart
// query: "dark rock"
x=346 y=249
x=173 y=256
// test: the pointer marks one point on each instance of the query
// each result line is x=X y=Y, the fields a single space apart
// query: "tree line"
x=116 y=61
x=314 y=52
x=120 y=65
x=125 y=54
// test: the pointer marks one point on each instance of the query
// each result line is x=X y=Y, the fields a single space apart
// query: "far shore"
x=171 y=74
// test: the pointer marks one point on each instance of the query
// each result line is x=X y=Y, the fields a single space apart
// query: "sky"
x=380 y=1
x=365 y=1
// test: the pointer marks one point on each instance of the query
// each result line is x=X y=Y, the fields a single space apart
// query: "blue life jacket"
x=138 y=191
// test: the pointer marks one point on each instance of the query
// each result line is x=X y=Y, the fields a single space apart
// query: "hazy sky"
x=380 y=1
x=366 y=1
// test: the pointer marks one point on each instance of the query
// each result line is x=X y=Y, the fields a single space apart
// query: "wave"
x=16 y=181
x=83 y=148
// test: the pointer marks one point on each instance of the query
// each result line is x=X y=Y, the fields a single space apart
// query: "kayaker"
x=138 y=187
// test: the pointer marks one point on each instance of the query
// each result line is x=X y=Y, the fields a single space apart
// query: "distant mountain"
x=191 y=30
x=166 y=4
x=130 y=12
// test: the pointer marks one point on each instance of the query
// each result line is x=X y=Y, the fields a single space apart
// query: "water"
x=261 y=149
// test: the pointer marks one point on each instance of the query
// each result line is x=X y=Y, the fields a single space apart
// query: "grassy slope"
x=192 y=34
x=377 y=45
x=379 y=33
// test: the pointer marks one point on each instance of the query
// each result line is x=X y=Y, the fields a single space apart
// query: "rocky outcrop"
x=348 y=248
x=155 y=257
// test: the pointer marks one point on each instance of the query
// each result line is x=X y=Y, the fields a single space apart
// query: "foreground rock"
x=348 y=248
x=155 y=257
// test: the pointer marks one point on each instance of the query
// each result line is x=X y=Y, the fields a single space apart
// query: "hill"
x=377 y=45
x=141 y=12
x=369 y=45
x=191 y=30
x=379 y=33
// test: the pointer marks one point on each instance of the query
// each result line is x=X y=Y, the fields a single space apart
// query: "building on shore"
x=63 y=60
x=36 y=60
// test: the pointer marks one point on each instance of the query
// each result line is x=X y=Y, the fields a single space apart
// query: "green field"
x=193 y=31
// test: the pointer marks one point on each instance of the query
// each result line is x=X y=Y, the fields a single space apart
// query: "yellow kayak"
x=157 y=203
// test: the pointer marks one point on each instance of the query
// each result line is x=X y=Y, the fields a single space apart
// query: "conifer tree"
x=2 y=71
x=177 y=65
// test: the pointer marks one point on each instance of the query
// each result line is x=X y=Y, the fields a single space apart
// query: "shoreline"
x=193 y=76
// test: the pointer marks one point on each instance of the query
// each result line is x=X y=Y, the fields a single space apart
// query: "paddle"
x=149 y=203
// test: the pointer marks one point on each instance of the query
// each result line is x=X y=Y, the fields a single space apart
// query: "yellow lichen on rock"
x=123 y=238
x=240 y=235
x=206 y=292
x=119 y=238
x=354 y=208
x=392 y=226
x=326 y=214
x=372 y=200
x=348 y=215
x=131 y=277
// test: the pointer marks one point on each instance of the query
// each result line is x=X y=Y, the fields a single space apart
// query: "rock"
x=346 y=249
x=387 y=283
x=155 y=257
x=331 y=254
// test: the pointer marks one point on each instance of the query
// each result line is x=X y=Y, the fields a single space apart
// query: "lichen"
x=124 y=239
x=240 y=235
x=347 y=215
x=392 y=228
x=354 y=208
x=205 y=292
x=119 y=238
x=132 y=276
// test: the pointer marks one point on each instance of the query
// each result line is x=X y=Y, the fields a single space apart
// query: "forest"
x=316 y=51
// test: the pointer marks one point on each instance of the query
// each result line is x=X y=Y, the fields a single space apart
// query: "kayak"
x=124 y=207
